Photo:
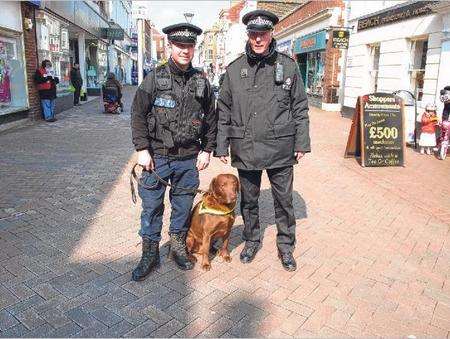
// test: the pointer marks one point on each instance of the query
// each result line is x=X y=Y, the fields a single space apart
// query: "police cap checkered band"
x=260 y=21
x=184 y=33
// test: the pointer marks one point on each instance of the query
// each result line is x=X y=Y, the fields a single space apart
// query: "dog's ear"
x=212 y=187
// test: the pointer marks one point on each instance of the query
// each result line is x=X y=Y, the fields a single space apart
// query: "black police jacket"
x=174 y=121
x=263 y=121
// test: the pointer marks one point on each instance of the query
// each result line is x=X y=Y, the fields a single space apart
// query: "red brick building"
x=159 y=44
x=306 y=35
x=31 y=60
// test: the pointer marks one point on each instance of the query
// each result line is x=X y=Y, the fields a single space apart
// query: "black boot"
x=149 y=260
x=249 y=251
x=288 y=261
x=178 y=251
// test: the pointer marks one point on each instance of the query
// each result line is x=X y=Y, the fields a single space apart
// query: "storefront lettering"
x=308 y=43
x=311 y=42
x=398 y=14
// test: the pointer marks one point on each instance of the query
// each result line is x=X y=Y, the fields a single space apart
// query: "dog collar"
x=205 y=209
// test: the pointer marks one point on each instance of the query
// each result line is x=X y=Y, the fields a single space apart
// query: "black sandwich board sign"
x=376 y=135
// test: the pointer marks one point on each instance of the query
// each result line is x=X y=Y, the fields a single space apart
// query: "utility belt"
x=177 y=153
x=174 y=153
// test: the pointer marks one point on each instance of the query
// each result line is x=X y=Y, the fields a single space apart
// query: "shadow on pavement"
x=267 y=215
x=68 y=239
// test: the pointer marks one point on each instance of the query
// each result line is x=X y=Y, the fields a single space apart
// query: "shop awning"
x=310 y=42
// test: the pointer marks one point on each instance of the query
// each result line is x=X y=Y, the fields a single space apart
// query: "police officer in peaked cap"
x=264 y=125
x=174 y=128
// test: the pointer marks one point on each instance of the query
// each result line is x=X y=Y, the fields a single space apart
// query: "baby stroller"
x=111 y=100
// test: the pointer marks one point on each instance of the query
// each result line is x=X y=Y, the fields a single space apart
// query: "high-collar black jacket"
x=262 y=119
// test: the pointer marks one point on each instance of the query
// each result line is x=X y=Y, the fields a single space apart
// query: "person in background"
x=111 y=81
x=445 y=98
x=46 y=83
x=428 y=135
x=77 y=82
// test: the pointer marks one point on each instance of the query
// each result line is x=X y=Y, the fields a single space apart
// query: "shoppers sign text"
x=377 y=131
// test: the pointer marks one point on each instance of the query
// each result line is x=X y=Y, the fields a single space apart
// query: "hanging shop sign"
x=340 y=38
x=113 y=33
x=396 y=14
x=376 y=135
x=311 y=42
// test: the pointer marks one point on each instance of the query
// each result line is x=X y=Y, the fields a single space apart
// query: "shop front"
x=96 y=66
x=53 y=44
x=13 y=85
x=310 y=54
x=86 y=45
x=403 y=49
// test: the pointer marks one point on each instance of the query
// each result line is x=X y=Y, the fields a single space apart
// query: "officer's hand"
x=203 y=160
x=224 y=159
x=145 y=160
x=299 y=155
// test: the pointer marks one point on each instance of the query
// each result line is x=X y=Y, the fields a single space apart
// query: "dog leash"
x=134 y=176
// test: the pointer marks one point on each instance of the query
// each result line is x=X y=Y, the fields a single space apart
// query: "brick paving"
x=373 y=244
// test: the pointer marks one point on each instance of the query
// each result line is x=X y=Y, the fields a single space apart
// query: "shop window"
x=419 y=49
x=374 y=63
x=13 y=92
x=96 y=63
x=53 y=45
x=315 y=64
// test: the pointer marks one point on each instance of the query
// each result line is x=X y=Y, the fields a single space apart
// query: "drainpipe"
x=347 y=10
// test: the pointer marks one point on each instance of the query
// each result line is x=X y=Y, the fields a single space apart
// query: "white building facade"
x=398 y=45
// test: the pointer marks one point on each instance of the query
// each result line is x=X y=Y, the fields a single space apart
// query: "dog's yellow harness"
x=205 y=209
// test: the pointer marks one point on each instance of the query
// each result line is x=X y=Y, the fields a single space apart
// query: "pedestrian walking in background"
x=263 y=117
x=174 y=128
x=77 y=82
x=46 y=83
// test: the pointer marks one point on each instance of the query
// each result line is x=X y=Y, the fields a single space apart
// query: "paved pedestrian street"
x=373 y=244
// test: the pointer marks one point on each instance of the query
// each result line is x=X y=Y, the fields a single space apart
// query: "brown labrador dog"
x=212 y=218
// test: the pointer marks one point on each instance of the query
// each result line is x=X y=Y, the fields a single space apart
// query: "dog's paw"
x=192 y=258
x=225 y=255
x=206 y=267
x=227 y=258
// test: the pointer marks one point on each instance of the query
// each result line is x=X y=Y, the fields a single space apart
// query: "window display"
x=96 y=63
x=53 y=44
x=315 y=67
x=13 y=93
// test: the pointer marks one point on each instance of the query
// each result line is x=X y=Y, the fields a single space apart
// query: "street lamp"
x=188 y=17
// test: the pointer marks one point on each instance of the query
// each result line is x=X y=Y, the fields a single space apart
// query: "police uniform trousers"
x=281 y=181
x=181 y=173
